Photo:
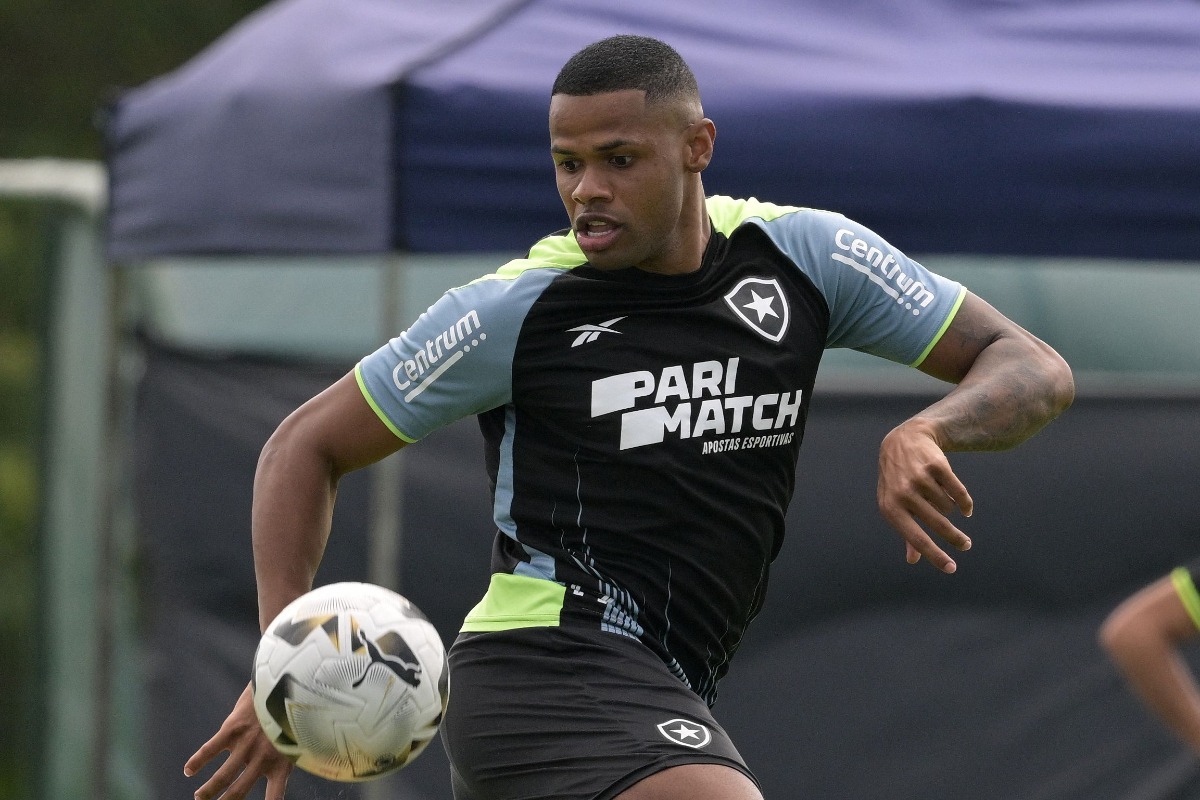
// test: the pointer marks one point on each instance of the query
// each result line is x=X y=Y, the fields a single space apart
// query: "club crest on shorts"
x=685 y=732
x=760 y=303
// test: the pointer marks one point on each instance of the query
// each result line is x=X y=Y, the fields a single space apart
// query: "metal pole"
x=74 y=529
x=85 y=658
x=386 y=503
x=385 y=542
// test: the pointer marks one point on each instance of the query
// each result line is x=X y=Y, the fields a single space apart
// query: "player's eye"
x=568 y=165
x=621 y=161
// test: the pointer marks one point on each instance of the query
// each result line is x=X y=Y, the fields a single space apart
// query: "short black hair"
x=627 y=62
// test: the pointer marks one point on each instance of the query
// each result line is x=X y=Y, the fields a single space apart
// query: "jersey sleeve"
x=1185 y=579
x=456 y=359
x=880 y=301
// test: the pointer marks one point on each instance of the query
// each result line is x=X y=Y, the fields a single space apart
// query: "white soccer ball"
x=350 y=681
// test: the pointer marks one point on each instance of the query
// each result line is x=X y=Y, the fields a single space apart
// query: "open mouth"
x=595 y=229
x=595 y=233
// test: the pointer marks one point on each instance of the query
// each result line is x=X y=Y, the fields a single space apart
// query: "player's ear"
x=700 y=136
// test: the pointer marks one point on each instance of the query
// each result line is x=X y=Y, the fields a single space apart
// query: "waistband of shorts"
x=516 y=601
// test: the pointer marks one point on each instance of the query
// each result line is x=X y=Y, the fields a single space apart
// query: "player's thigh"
x=694 y=782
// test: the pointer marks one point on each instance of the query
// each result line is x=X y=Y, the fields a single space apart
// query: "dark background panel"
x=863 y=677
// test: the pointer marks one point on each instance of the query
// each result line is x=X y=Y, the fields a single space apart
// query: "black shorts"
x=569 y=714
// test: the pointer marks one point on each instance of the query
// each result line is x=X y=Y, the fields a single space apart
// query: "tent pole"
x=386 y=503
x=386 y=507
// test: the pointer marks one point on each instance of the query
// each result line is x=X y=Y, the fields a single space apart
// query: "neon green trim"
x=517 y=601
x=727 y=213
x=962 y=295
x=362 y=387
x=552 y=252
x=1186 y=589
x=561 y=251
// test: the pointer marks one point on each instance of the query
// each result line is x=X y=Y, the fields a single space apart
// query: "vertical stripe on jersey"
x=539 y=565
x=502 y=505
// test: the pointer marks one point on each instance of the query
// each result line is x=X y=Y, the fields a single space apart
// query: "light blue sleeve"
x=456 y=359
x=880 y=301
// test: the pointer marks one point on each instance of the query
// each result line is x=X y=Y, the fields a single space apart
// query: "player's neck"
x=686 y=255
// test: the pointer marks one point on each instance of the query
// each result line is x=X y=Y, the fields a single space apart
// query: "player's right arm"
x=295 y=486
x=1143 y=635
x=454 y=361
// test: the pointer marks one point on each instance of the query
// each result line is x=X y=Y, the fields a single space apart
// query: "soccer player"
x=642 y=381
x=1143 y=636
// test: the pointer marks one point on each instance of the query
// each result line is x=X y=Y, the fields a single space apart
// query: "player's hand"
x=251 y=756
x=918 y=488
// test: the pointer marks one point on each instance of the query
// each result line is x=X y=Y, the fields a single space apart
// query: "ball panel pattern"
x=350 y=681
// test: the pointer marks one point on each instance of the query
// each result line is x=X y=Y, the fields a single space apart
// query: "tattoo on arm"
x=1013 y=389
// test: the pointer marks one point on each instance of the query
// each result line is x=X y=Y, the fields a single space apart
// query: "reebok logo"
x=590 y=333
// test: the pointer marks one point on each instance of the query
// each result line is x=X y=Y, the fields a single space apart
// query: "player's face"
x=628 y=175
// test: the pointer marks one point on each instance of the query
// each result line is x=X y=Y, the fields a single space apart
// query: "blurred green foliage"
x=61 y=61
x=21 y=299
x=64 y=58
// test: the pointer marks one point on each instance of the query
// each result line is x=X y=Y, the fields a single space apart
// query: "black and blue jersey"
x=642 y=430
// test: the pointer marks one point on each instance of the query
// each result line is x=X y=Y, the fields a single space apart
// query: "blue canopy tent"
x=1046 y=127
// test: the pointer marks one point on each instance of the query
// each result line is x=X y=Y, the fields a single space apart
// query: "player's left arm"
x=1009 y=385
